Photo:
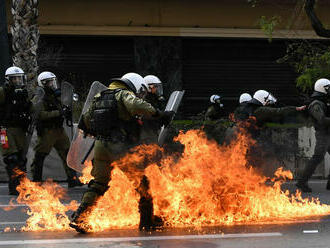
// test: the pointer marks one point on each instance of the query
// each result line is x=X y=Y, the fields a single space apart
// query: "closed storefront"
x=230 y=67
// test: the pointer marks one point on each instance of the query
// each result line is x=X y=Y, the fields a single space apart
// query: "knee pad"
x=97 y=187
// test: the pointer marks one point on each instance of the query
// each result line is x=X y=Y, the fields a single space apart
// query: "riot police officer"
x=15 y=110
x=111 y=119
x=215 y=110
x=258 y=111
x=243 y=101
x=50 y=129
x=260 y=108
x=150 y=128
x=155 y=92
x=318 y=109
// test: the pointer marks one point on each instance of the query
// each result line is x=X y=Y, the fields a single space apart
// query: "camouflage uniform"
x=15 y=109
x=51 y=134
x=319 y=111
x=122 y=133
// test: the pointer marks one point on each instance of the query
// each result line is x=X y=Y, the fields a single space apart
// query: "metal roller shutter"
x=232 y=66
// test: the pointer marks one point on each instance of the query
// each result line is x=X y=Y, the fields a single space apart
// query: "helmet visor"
x=327 y=88
x=156 y=89
x=50 y=83
x=270 y=99
x=142 y=93
x=18 y=81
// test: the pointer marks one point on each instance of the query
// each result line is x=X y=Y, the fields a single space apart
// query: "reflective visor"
x=270 y=99
x=50 y=83
x=18 y=81
x=158 y=89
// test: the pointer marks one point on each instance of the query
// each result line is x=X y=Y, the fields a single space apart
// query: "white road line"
x=22 y=205
x=130 y=239
x=12 y=223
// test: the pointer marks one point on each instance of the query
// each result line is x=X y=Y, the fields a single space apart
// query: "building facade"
x=204 y=47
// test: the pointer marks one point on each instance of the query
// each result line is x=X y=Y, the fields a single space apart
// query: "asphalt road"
x=309 y=233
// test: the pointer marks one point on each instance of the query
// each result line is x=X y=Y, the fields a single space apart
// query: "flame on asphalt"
x=206 y=185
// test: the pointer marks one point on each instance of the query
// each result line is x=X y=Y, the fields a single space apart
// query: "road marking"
x=310 y=231
x=132 y=239
x=12 y=223
x=24 y=205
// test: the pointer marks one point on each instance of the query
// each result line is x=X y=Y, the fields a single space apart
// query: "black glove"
x=66 y=112
x=166 y=117
x=57 y=93
x=21 y=94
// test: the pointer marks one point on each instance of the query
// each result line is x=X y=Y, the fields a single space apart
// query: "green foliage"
x=268 y=25
x=311 y=60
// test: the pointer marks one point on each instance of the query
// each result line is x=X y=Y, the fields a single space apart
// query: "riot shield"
x=81 y=146
x=37 y=105
x=172 y=105
x=66 y=100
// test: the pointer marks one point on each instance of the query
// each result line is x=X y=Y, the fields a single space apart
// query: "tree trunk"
x=4 y=47
x=25 y=38
x=316 y=23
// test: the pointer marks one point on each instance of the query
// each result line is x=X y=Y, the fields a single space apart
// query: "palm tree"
x=4 y=48
x=25 y=35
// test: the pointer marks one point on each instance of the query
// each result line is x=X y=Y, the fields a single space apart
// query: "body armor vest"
x=104 y=118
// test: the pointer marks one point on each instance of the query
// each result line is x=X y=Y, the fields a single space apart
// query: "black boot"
x=11 y=182
x=74 y=182
x=73 y=179
x=303 y=186
x=77 y=218
x=148 y=221
x=328 y=183
x=12 y=162
x=37 y=166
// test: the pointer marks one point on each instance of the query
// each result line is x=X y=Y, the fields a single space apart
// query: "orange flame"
x=86 y=173
x=208 y=185
x=211 y=185
x=46 y=211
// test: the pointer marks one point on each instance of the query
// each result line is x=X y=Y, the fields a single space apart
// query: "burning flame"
x=86 y=173
x=46 y=211
x=208 y=185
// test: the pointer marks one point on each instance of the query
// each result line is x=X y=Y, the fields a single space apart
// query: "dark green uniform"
x=111 y=119
x=213 y=112
x=51 y=134
x=262 y=114
x=15 y=110
x=320 y=113
x=150 y=128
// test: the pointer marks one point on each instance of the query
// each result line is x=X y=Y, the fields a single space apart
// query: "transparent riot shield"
x=37 y=105
x=172 y=105
x=81 y=147
x=66 y=100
